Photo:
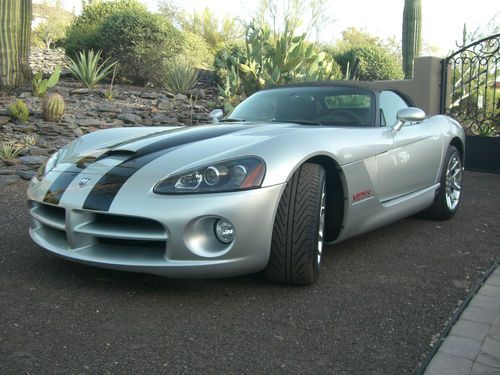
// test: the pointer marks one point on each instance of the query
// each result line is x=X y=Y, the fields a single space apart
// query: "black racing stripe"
x=61 y=183
x=104 y=192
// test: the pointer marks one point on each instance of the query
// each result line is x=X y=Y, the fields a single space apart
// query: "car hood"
x=174 y=148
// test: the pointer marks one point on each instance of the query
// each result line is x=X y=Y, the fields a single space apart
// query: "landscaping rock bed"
x=87 y=111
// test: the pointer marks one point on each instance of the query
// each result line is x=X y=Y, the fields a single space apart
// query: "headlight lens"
x=47 y=166
x=229 y=175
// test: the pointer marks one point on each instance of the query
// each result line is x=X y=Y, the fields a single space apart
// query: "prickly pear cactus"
x=53 y=108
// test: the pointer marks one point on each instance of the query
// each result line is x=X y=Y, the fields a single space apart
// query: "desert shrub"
x=82 y=33
x=375 y=63
x=197 y=50
x=140 y=41
x=19 y=111
x=180 y=75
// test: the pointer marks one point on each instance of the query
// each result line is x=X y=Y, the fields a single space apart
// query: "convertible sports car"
x=262 y=189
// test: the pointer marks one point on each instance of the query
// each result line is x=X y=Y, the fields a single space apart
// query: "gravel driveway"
x=379 y=301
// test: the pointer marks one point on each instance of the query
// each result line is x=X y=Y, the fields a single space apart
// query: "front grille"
x=101 y=235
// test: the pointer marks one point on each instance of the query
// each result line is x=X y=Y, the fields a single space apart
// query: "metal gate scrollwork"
x=470 y=87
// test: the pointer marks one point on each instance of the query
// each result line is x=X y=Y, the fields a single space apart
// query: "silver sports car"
x=291 y=168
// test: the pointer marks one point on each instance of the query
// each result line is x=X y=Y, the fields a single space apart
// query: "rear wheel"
x=298 y=232
x=448 y=198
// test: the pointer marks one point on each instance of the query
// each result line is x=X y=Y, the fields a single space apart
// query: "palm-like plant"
x=86 y=68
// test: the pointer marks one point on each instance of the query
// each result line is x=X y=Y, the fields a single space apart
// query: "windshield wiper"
x=232 y=120
x=300 y=122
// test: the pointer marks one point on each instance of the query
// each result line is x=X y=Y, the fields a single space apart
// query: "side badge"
x=84 y=181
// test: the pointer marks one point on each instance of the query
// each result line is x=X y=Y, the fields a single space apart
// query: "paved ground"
x=380 y=301
x=473 y=345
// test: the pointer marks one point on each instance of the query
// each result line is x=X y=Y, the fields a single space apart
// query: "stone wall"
x=47 y=60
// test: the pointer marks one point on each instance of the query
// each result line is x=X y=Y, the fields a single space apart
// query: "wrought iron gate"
x=470 y=93
x=470 y=87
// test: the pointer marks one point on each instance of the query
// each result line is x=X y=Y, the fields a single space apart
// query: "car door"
x=414 y=161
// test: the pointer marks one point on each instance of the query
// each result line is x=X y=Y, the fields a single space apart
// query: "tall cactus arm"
x=25 y=38
x=10 y=13
x=412 y=34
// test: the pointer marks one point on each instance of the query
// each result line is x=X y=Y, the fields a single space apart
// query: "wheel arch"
x=458 y=144
x=335 y=197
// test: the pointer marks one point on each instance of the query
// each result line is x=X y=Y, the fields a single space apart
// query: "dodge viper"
x=290 y=169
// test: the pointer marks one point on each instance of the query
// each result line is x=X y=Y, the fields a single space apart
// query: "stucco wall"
x=425 y=87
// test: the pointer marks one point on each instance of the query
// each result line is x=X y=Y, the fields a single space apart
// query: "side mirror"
x=216 y=115
x=410 y=114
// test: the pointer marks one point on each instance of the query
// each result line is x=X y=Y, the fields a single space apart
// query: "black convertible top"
x=375 y=86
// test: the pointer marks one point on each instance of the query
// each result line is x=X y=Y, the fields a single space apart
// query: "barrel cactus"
x=412 y=34
x=53 y=108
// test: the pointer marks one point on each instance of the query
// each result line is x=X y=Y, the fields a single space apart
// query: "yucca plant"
x=180 y=75
x=29 y=139
x=9 y=151
x=86 y=68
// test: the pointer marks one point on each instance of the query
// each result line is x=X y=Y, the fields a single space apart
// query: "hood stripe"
x=104 y=192
x=61 y=183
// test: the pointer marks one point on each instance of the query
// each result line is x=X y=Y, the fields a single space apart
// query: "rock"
x=33 y=161
x=5 y=171
x=26 y=175
x=149 y=95
x=81 y=91
x=165 y=105
x=7 y=180
x=129 y=118
x=89 y=122
x=109 y=109
x=38 y=151
x=26 y=95
x=4 y=120
x=163 y=119
x=180 y=97
x=12 y=161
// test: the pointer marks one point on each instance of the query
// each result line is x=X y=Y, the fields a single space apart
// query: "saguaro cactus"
x=15 y=30
x=412 y=34
x=25 y=38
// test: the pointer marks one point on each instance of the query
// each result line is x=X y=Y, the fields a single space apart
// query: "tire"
x=447 y=199
x=297 y=241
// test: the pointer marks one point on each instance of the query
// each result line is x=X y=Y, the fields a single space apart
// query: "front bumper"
x=160 y=234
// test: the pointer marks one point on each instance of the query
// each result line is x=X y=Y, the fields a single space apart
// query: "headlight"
x=229 y=175
x=47 y=166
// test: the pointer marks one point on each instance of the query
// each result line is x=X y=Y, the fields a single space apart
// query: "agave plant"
x=86 y=68
x=180 y=75
x=9 y=151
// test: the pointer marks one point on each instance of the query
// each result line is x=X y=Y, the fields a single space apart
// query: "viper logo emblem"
x=83 y=182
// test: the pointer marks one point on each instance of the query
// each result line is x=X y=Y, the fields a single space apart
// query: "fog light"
x=224 y=231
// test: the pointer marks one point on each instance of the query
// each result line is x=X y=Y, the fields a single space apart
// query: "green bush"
x=180 y=75
x=375 y=63
x=140 y=41
x=82 y=34
x=197 y=50
x=19 y=111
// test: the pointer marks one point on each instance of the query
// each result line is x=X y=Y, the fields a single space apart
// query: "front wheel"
x=298 y=232
x=448 y=197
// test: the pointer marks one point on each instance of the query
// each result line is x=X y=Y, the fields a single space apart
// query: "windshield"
x=343 y=106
